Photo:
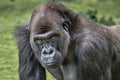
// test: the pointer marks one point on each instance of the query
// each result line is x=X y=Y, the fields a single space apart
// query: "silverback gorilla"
x=68 y=45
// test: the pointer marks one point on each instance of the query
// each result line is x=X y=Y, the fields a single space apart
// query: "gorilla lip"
x=50 y=63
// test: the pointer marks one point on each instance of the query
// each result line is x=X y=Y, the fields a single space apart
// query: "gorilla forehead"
x=44 y=15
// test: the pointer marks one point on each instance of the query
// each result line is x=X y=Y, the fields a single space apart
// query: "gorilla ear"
x=70 y=19
x=66 y=13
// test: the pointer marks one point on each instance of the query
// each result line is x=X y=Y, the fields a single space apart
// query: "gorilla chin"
x=52 y=65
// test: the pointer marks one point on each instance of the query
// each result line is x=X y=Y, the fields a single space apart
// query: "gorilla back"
x=68 y=45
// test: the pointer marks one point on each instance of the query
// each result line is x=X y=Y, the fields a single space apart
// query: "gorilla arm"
x=29 y=67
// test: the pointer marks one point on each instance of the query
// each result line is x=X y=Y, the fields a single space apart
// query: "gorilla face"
x=49 y=39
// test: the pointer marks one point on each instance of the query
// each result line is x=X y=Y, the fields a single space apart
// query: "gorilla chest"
x=65 y=72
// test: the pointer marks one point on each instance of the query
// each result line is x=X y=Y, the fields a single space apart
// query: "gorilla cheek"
x=64 y=43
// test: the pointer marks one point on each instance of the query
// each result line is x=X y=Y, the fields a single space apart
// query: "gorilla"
x=68 y=45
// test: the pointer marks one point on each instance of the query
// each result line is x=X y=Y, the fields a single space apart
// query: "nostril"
x=45 y=53
x=51 y=51
x=48 y=52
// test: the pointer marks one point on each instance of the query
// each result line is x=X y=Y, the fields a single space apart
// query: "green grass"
x=19 y=11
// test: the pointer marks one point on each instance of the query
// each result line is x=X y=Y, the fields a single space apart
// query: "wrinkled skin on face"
x=49 y=38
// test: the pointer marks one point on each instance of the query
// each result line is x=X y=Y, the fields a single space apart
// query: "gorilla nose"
x=48 y=51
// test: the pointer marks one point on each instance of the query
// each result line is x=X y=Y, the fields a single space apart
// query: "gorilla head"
x=49 y=35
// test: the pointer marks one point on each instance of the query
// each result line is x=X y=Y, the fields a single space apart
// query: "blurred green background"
x=14 y=12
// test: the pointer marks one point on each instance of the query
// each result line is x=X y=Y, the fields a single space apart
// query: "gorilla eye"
x=36 y=39
x=65 y=25
x=44 y=29
x=38 y=42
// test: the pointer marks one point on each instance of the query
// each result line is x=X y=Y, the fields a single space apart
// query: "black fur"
x=93 y=52
x=29 y=67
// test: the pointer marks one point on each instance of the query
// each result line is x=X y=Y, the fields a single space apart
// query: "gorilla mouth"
x=52 y=64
